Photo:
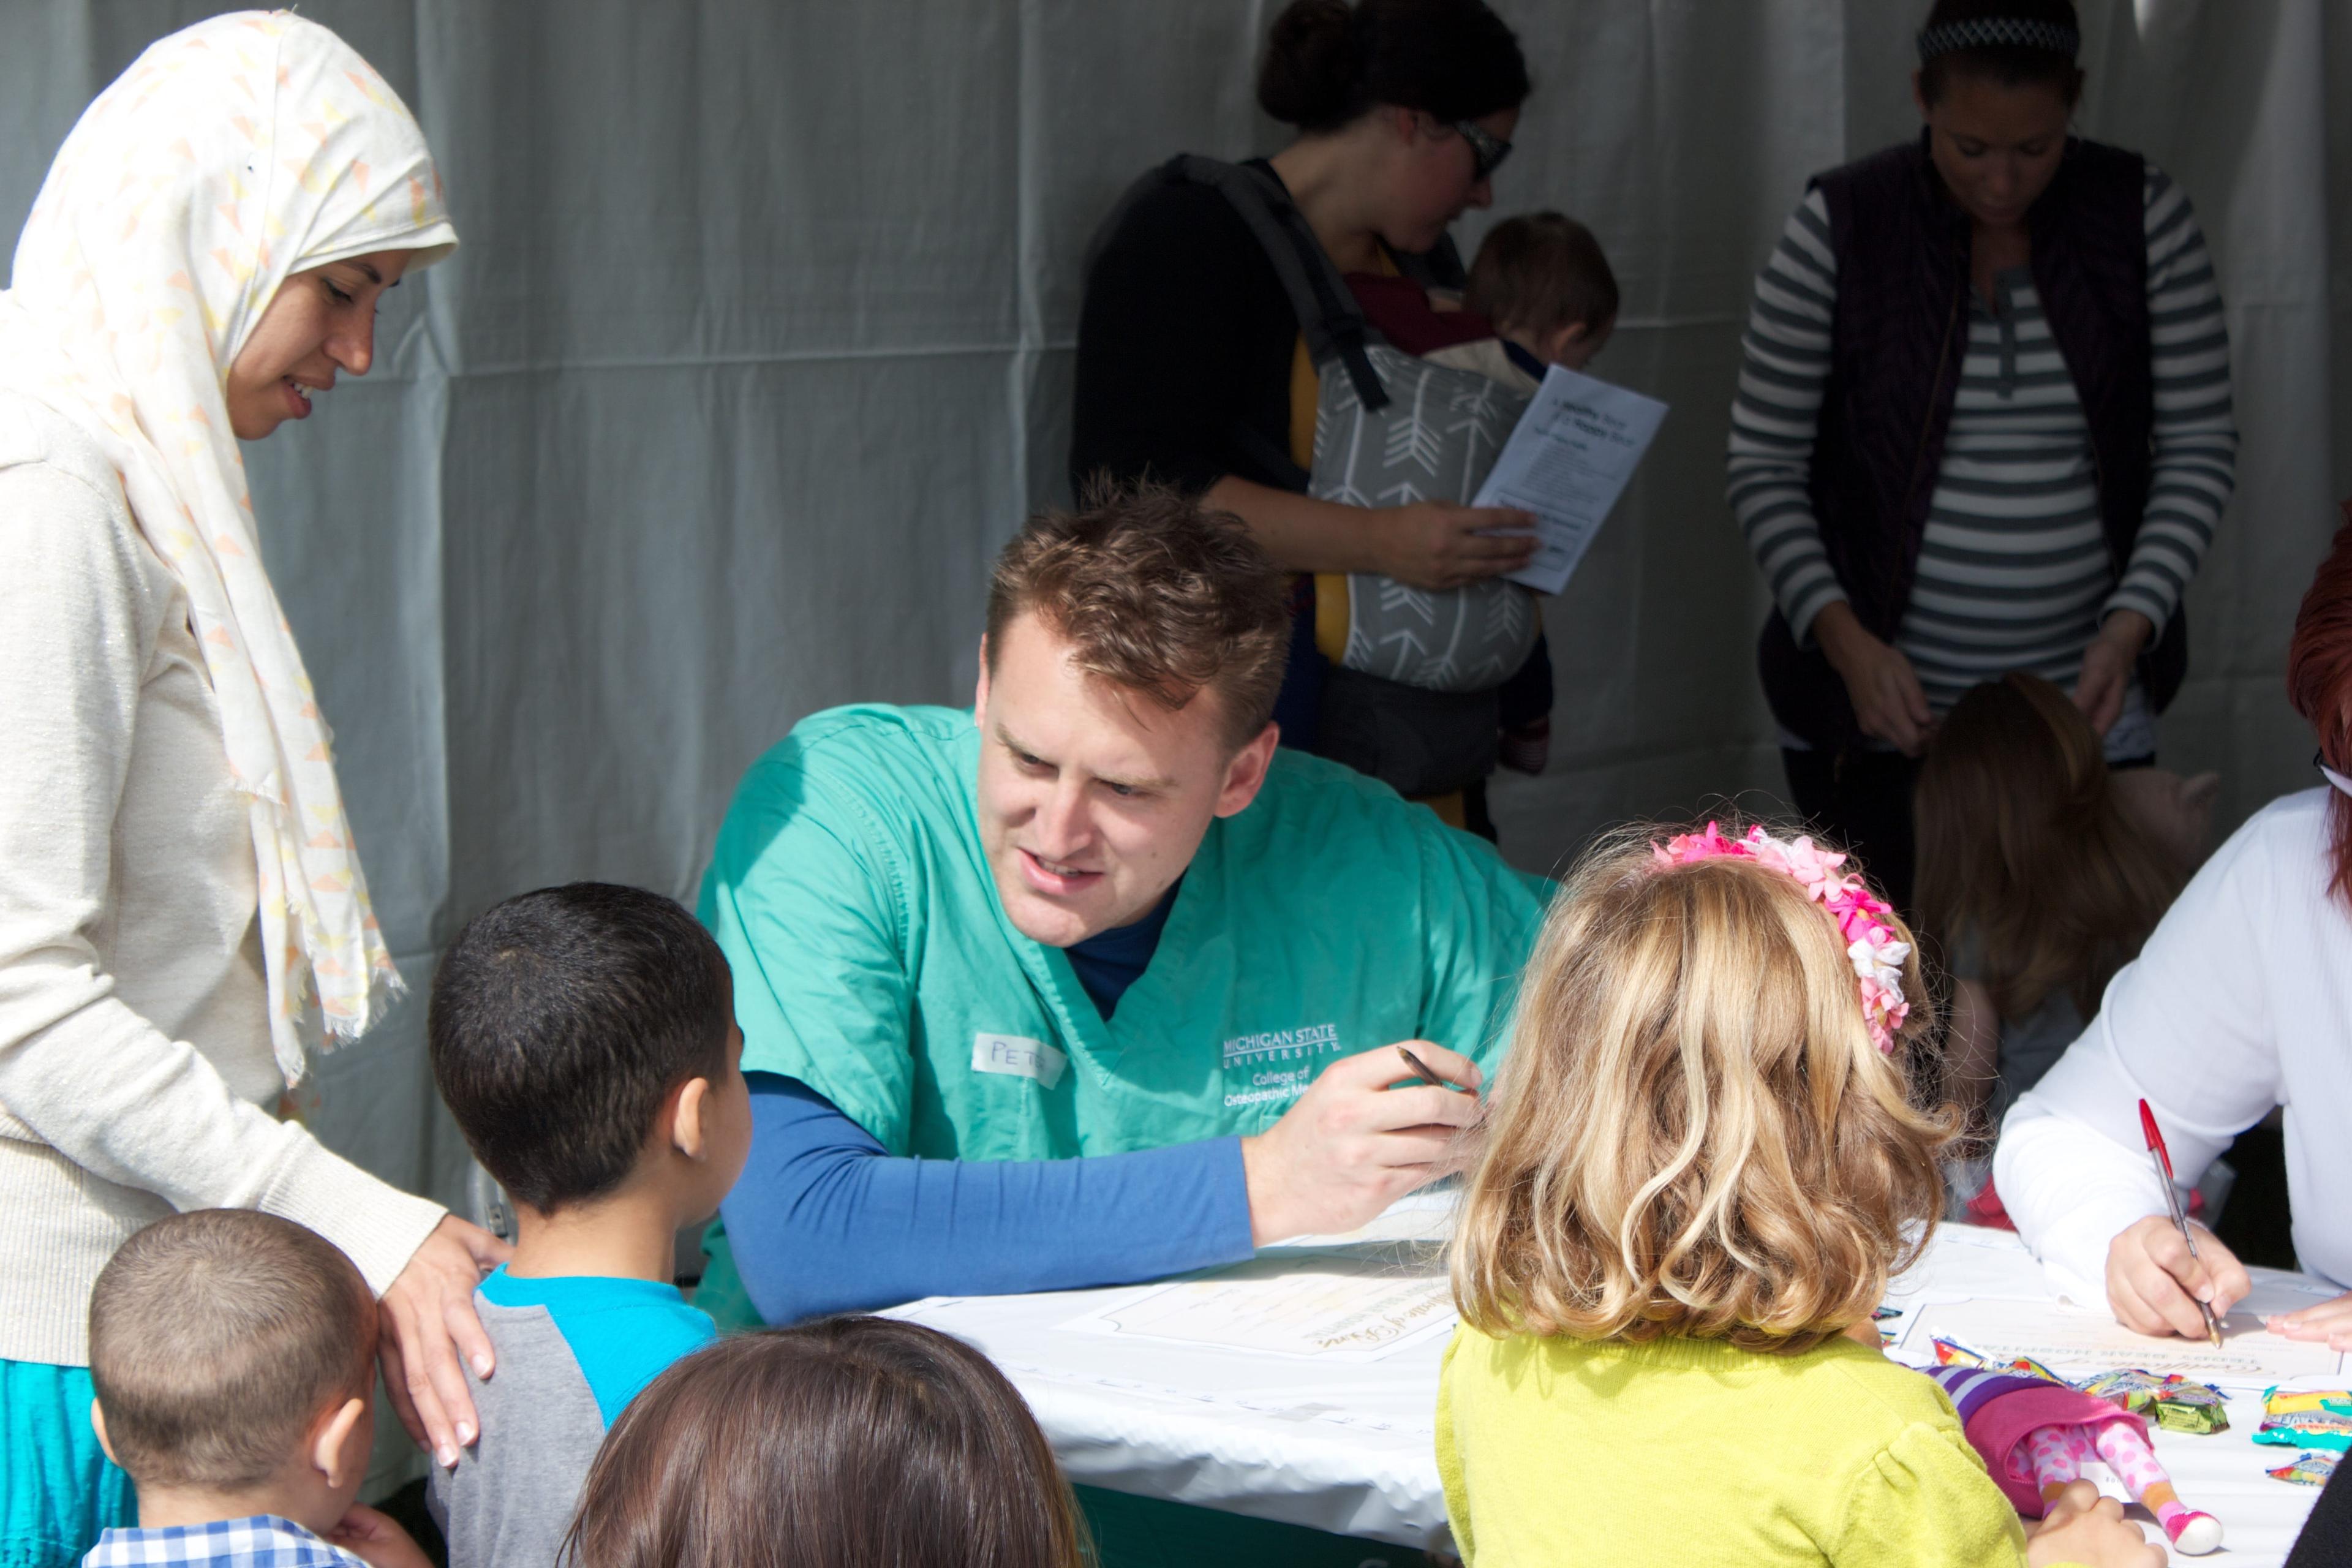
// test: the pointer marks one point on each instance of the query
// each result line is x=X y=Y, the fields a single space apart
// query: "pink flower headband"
x=1870 y=942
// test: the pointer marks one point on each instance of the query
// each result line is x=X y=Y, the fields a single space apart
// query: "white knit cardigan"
x=135 y=1059
x=2242 y=1000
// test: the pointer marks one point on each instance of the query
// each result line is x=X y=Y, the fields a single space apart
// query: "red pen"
x=2172 y=1201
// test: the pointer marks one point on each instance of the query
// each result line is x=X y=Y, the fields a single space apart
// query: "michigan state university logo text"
x=1277 y=1065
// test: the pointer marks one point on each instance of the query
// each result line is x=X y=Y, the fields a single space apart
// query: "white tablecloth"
x=1349 y=1448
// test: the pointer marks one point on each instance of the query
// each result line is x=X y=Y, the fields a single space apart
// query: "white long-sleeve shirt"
x=135 y=1057
x=2240 y=1000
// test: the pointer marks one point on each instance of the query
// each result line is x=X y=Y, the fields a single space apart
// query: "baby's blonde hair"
x=1693 y=1133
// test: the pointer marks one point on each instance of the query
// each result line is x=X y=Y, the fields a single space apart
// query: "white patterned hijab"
x=228 y=156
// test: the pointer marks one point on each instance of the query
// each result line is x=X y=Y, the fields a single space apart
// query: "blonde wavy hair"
x=1692 y=1133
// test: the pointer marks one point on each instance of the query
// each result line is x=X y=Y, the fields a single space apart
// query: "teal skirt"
x=57 y=1488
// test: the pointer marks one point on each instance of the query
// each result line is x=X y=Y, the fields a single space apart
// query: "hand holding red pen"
x=2162 y=1157
x=2159 y=1280
x=2154 y=1283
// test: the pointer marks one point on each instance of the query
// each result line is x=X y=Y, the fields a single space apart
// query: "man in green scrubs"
x=1092 y=984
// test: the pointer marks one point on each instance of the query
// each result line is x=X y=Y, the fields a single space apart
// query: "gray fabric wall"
x=759 y=344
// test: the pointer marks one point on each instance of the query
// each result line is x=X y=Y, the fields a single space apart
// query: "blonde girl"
x=1702 y=1167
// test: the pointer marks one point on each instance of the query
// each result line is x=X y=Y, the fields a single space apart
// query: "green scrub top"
x=873 y=962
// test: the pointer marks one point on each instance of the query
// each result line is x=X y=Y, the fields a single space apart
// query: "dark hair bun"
x=1313 y=74
x=2059 y=13
x=1326 y=62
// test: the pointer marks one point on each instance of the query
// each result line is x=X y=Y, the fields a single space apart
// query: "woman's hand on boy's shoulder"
x=428 y=1321
x=376 y=1541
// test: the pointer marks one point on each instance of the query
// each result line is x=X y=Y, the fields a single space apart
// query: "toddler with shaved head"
x=234 y=1355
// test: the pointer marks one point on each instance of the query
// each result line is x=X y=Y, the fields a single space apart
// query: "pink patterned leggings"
x=2059 y=1453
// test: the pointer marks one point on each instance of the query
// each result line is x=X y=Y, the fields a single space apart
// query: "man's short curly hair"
x=1156 y=593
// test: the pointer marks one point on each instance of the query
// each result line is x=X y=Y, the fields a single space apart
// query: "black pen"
x=1421 y=1070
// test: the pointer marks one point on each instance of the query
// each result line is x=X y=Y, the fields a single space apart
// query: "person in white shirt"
x=182 y=916
x=2239 y=1002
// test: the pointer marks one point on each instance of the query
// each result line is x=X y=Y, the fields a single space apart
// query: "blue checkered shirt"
x=263 y=1541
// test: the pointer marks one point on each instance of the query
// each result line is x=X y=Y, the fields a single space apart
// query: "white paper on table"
x=1352 y=1305
x=2282 y=1290
x=1426 y=1216
x=1568 y=460
x=2078 y=1345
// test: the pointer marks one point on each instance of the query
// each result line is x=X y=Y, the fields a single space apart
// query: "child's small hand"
x=375 y=1539
x=2081 y=1527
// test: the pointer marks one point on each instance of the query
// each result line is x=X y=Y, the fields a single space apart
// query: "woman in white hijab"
x=181 y=913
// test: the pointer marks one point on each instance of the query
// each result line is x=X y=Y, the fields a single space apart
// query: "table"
x=1347 y=1447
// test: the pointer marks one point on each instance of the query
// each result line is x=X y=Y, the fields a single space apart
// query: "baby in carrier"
x=1427 y=689
x=1430 y=692
x=1545 y=283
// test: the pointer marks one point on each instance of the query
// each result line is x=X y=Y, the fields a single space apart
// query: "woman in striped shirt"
x=1983 y=424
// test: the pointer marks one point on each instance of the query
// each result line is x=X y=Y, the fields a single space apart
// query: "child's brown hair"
x=217 y=1337
x=1693 y=1133
x=849 y=1442
x=1540 y=271
x=2025 y=851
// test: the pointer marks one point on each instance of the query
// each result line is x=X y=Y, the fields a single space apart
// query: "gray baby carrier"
x=1413 y=699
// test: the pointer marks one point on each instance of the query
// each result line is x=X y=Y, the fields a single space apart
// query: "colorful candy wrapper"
x=1951 y=1352
x=2171 y=1401
x=2294 y=1402
x=2308 y=1469
x=2308 y=1429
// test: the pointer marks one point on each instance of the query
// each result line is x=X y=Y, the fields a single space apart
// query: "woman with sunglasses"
x=1983 y=424
x=1192 y=369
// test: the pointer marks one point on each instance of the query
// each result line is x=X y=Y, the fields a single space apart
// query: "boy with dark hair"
x=584 y=1039
x=234 y=1355
x=1544 y=281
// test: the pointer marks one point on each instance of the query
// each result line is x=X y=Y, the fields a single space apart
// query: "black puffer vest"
x=1898 y=338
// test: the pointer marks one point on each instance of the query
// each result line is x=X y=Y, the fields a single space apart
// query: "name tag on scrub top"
x=1018 y=1057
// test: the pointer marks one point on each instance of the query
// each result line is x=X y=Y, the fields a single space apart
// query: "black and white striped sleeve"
x=1784 y=366
x=2196 y=435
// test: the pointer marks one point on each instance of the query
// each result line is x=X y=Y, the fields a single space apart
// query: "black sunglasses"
x=1487 y=149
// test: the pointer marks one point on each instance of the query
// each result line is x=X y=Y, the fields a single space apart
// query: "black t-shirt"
x=1185 y=341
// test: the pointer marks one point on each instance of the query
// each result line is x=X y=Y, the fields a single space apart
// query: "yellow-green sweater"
x=1686 y=1451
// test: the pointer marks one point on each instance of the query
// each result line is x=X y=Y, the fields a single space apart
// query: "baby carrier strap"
x=1329 y=316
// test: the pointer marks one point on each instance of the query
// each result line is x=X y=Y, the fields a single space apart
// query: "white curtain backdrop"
x=759 y=342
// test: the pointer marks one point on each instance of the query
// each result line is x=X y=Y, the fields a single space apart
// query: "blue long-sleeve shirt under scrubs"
x=824 y=1220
